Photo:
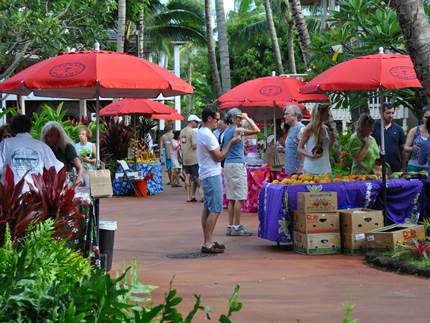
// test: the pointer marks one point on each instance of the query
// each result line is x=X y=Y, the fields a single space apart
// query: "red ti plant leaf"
x=17 y=209
x=418 y=248
x=54 y=193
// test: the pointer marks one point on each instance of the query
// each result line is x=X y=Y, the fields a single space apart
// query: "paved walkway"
x=276 y=285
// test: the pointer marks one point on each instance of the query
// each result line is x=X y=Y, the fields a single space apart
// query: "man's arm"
x=218 y=155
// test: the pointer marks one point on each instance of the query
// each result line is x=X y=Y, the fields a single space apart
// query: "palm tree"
x=416 y=30
x=223 y=46
x=273 y=36
x=211 y=49
x=302 y=29
x=121 y=26
x=141 y=31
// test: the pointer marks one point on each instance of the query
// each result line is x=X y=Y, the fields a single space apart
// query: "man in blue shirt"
x=394 y=138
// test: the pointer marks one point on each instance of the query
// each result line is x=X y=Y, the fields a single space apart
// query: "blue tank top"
x=237 y=152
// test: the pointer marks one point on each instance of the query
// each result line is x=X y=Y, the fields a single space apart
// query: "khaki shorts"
x=236 y=181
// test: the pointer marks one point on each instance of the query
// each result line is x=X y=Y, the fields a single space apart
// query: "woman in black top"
x=62 y=146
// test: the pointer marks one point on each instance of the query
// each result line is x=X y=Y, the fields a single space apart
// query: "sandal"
x=211 y=250
x=219 y=245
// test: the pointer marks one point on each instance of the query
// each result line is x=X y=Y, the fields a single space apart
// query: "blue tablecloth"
x=277 y=202
x=155 y=185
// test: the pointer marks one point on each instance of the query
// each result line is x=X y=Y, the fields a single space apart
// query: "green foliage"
x=8 y=112
x=42 y=280
x=58 y=115
x=35 y=278
x=45 y=28
x=361 y=27
x=347 y=316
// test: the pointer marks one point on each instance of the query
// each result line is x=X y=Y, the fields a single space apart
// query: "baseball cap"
x=234 y=112
x=193 y=117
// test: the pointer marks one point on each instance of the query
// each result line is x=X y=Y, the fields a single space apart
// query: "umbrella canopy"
x=389 y=71
x=91 y=74
x=135 y=106
x=95 y=74
x=371 y=72
x=255 y=96
x=172 y=116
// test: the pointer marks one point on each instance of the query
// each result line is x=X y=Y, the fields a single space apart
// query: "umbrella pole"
x=384 y=168
x=97 y=128
x=274 y=127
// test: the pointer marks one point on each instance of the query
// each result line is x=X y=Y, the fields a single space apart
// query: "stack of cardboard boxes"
x=354 y=225
x=316 y=223
x=319 y=227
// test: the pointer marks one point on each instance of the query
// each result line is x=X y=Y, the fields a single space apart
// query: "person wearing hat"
x=209 y=157
x=235 y=177
x=189 y=160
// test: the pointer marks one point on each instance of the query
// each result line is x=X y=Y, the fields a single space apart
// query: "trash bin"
x=107 y=236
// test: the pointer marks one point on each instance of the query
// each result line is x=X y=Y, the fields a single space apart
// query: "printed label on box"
x=360 y=236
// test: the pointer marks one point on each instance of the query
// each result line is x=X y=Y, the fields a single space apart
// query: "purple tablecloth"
x=277 y=202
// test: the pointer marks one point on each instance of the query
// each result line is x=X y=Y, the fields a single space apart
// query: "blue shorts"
x=212 y=193
x=168 y=164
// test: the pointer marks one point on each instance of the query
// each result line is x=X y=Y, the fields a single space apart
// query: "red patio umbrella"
x=255 y=96
x=172 y=116
x=95 y=74
x=371 y=72
x=135 y=106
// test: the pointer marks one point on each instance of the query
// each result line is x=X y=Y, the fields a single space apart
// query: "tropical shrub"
x=114 y=142
x=50 y=197
x=42 y=280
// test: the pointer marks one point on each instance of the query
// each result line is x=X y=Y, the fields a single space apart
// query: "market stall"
x=276 y=202
x=151 y=176
x=257 y=176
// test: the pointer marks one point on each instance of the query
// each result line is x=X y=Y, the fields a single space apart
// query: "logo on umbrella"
x=403 y=72
x=66 y=70
x=270 y=90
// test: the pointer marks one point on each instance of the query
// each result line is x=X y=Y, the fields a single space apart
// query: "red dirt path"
x=276 y=285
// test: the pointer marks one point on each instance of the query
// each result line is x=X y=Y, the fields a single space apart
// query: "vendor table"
x=154 y=173
x=277 y=202
x=256 y=176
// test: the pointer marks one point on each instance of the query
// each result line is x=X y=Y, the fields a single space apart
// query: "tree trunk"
x=223 y=46
x=273 y=36
x=141 y=30
x=299 y=22
x=416 y=31
x=211 y=49
x=121 y=26
x=290 y=47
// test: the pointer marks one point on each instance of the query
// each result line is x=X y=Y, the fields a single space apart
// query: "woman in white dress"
x=316 y=141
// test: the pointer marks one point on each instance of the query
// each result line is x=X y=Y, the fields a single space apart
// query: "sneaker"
x=229 y=231
x=212 y=250
x=241 y=232
x=219 y=245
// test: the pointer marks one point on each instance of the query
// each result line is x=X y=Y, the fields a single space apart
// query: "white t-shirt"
x=206 y=142
x=23 y=153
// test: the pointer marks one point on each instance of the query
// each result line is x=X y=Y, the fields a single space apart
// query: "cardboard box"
x=318 y=202
x=360 y=220
x=354 y=243
x=390 y=236
x=316 y=222
x=316 y=244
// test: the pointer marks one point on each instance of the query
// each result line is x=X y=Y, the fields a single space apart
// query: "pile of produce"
x=323 y=178
x=410 y=175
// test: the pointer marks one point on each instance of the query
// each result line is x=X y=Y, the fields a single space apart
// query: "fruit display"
x=323 y=178
x=410 y=175
x=139 y=154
